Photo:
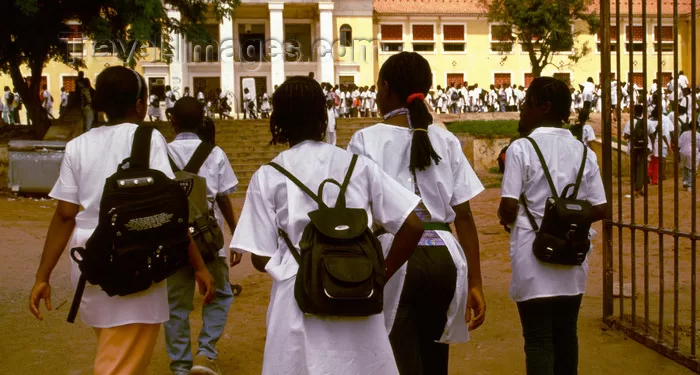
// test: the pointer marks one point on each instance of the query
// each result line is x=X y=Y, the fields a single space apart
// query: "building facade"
x=346 y=41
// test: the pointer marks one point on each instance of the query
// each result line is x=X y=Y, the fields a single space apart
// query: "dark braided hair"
x=409 y=73
x=298 y=112
x=117 y=90
x=554 y=91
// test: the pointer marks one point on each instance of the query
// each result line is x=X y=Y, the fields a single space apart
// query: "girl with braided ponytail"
x=437 y=297
x=299 y=343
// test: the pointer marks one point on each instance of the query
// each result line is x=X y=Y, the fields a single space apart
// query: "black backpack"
x=454 y=96
x=141 y=236
x=639 y=136
x=563 y=237
x=203 y=226
x=341 y=262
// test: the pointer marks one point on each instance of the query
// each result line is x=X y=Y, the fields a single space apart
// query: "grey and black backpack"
x=202 y=224
x=341 y=262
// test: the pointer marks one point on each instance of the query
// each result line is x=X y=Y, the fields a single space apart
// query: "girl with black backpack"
x=437 y=297
x=127 y=327
x=277 y=210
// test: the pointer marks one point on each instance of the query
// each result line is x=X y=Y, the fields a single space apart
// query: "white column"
x=325 y=43
x=226 y=55
x=276 y=42
x=178 y=61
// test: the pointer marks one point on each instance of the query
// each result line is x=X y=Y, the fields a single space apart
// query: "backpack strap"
x=577 y=184
x=173 y=166
x=141 y=148
x=552 y=188
x=200 y=156
x=530 y=217
x=299 y=184
x=341 y=196
x=290 y=245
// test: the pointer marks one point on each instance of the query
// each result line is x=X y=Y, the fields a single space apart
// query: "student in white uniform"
x=330 y=129
x=7 y=114
x=64 y=102
x=265 y=106
x=186 y=117
x=46 y=101
x=685 y=147
x=153 y=108
x=300 y=343
x=587 y=92
x=548 y=296
x=169 y=98
x=430 y=301
x=582 y=130
x=126 y=327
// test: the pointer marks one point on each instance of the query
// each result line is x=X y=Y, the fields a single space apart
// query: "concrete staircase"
x=247 y=144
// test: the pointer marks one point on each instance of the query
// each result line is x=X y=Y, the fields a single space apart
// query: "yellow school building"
x=346 y=41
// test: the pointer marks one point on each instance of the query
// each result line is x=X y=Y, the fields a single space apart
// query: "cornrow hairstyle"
x=409 y=73
x=298 y=112
x=117 y=91
x=554 y=91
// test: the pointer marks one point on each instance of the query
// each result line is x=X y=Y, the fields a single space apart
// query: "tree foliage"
x=32 y=33
x=544 y=27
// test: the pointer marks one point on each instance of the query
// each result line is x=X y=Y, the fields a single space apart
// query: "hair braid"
x=409 y=73
x=298 y=112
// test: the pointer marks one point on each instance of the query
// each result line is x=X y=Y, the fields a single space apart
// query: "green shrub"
x=486 y=128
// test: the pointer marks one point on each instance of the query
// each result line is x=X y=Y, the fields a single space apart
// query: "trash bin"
x=34 y=165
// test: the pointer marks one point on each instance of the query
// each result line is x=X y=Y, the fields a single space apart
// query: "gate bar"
x=648 y=229
x=607 y=158
x=676 y=197
x=693 y=213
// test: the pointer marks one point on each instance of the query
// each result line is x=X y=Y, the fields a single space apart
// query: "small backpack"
x=341 y=262
x=155 y=102
x=202 y=223
x=10 y=100
x=639 y=140
x=141 y=236
x=563 y=236
x=455 y=96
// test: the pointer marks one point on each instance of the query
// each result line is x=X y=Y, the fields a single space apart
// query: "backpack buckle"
x=572 y=231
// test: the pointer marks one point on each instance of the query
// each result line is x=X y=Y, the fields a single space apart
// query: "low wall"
x=482 y=152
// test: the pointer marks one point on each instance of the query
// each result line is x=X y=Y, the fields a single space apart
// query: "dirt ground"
x=52 y=346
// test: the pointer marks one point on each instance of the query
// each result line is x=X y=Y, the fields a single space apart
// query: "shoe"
x=204 y=365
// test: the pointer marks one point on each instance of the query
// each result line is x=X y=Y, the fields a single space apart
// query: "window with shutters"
x=423 y=38
x=528 y=78
x=501 y=38
x=68 y=83
x=564 y=77
x=391 y=37
x=600 y=77
x=501 y=79
x=666 y=77
x=455 y=78
x=613 y=40
x=666 y=38
x=454 y=38
x=638 y=79
x=635 y=38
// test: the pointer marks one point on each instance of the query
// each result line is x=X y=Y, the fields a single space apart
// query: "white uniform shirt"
x=200 y=96
x=88 y=161
x=683 y=81
x=442 y=186
x=685 y=145
x=308 y=344
x=588 y=89
x=8 y=107
x=524 y=174
x=221 y=181
x=169 y=103
x=64 y=99
x=666 y=130
x=47 y=101
x=588 y=134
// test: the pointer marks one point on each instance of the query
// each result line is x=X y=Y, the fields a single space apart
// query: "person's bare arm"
x=224 y=203
x=508 y=211
x=205 y=281
x=60 y=230
x=404 y=244
x=469 y=240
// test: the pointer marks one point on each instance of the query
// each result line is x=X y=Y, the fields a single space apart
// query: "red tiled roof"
x=457 y=7
x=429 y=7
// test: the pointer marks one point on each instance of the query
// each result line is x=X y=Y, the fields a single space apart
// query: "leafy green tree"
x=542 y=27
x=32 y=33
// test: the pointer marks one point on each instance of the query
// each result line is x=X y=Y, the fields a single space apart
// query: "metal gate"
x=650 y=242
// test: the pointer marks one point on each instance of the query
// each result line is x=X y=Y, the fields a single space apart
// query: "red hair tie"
x=415 y=96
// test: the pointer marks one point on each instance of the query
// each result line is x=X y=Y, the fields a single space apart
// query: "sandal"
x=237 y=289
